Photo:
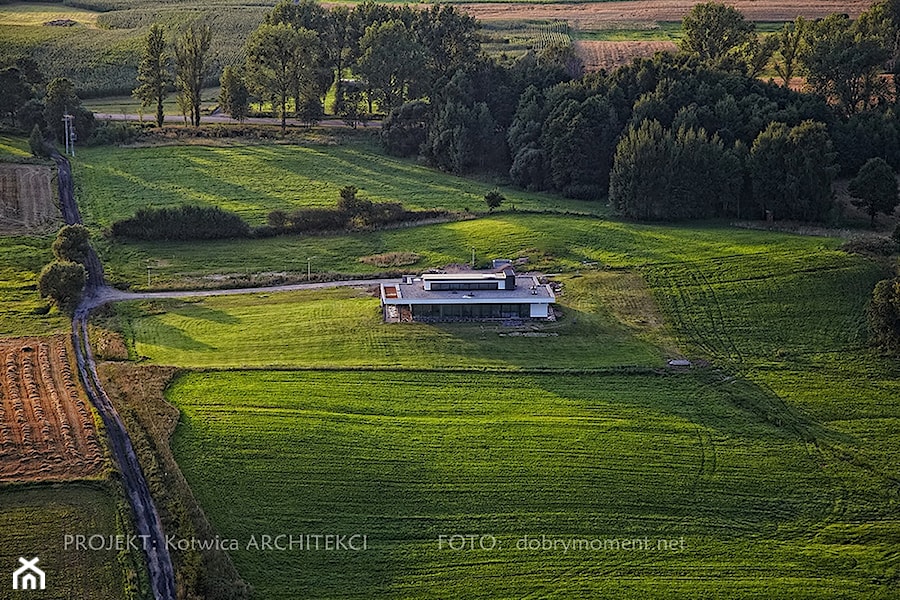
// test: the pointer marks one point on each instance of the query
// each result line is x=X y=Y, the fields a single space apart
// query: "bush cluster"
x=186 y=222
x=351 y=213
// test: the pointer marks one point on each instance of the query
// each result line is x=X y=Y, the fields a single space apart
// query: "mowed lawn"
x=344 y=327
x=34 y=521
x=253 y=180
x=406 y=458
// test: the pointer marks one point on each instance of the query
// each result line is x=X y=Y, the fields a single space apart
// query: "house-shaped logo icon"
x=28 y=576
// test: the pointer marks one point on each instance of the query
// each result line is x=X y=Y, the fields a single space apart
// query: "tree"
x=390 y=60
x=790 y=39
x=665 y=174
x=72 y=244
x=60 y=100
x=580 y=139
x=844 y=64
x=234 y=97
x=450 y=40
x=338 y=41
x=62 y=282
x=791 y=170
x=712 y=30
x=461 y=137
x=874 y=188
x=884 y=314
x=641 y=171
x=36 y=142
x=192 y=67
x=14 y=92
x=757 y=52
x=404 y=131
x=279 y=58
x=153 y=73
x=493 y=199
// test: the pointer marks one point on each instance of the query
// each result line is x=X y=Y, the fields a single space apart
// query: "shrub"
x=72 y=244
x=186 y=222
x=870 y=245
x=63 y=283
x=884 y=314
x=317 y=219
x=36 y=142
x=493 y=199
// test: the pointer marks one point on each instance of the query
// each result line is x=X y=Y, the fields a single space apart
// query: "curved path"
x=146 y=517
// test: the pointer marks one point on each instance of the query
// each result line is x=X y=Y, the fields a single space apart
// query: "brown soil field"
x=609 y=55
x=47 y=430
x=595 y=15
x=27 y=200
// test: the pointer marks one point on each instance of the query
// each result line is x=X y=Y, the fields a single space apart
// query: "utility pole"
x=69 y=122
x=473 y=258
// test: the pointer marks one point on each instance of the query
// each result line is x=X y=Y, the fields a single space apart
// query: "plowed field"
x=609 y=55
x=27 y=201
x=596 y=15
x=47 y=430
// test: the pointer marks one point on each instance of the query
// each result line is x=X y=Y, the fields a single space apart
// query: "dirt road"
x=146 y=517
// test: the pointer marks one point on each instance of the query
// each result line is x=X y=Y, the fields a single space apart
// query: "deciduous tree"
x=712 y=30
x=153 y=72
x=192 y=67
x=234 y=97
x=874 y=188
x=279 y=59
x=390 y=59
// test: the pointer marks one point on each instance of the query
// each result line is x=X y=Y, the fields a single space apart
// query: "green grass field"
x=407 y=458
x=343 y=327
x=21 y=261
x=34 y=521
x=254 y=180
x=776 y=464
x=549 y=242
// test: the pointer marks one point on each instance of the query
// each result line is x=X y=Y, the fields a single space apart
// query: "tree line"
x=31 y=104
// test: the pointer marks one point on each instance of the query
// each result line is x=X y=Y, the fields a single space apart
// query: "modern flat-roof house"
x=478 y=296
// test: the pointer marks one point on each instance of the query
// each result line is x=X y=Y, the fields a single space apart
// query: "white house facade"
x=467 y=296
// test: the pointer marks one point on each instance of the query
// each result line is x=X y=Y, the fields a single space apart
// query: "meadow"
x=549 y=242
x=253 y=180
x=775 y=464
x=405 y=458
x=33 y=522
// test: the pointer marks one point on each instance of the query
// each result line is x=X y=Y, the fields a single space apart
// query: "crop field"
x=589 y=16
x=34 y=521
x=407 y=458
x=100 y=52
x=47 y=429
x=27 y=199
x=597 y=55
x=253 y=180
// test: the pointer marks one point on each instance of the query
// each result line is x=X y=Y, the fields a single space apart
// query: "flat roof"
x=527 y=291
x=461 y=276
